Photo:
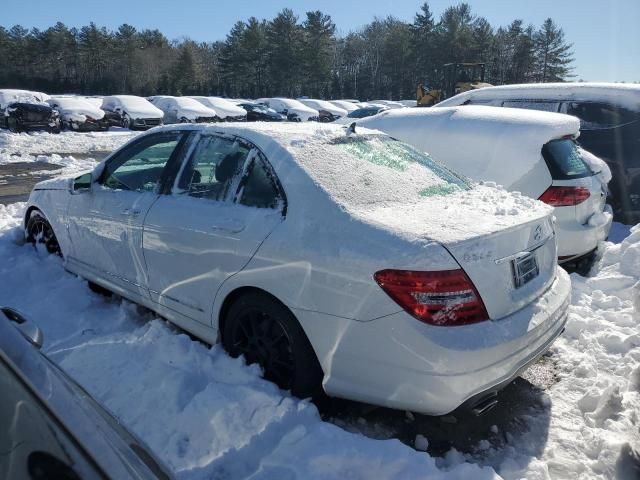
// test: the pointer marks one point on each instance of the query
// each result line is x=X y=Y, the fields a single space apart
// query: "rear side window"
x=600 y=116
x=532 y=105
x=212 y=167
x=564 y=160
x=259 y=187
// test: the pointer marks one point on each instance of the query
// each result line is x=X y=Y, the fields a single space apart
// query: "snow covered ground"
x=210 y=416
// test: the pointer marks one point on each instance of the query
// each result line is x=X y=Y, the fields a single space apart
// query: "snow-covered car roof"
x=291 y=104
x=323 y=105
x=621 y=94
x=380 y=181
x=485 y=143
x=185 y=105
x=10 y=95
x=348 y=106
x=223 y=107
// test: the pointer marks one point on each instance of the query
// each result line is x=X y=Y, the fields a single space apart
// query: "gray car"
x=50 y=427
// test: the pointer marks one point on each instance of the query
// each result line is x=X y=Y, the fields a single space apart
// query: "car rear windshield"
x=375 y=170
x=564 y=160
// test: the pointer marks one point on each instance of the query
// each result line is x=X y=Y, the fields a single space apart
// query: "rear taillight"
x=565 y=196
x=443 y=298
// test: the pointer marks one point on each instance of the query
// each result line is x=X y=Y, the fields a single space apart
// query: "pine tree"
x=284 y=37
x=317 y=52
x=553 y=54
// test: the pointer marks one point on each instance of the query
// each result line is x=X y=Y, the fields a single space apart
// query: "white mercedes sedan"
x=342 y=262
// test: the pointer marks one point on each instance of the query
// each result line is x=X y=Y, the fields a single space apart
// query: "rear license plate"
x=525 y=269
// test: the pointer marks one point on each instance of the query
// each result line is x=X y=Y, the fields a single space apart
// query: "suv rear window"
x=564 y=160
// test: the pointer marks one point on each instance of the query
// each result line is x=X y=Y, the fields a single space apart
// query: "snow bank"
x=483 y=143
x=595 y=405
x=205 y=414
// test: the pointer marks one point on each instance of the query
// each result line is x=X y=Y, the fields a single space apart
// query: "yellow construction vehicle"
x=456 y=78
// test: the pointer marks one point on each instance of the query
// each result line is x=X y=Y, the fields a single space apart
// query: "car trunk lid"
x=509 y=268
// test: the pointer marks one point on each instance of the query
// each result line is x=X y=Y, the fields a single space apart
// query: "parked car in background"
x=77 y=113
x=362 y=113
x=50 y=427
x=609 y=116
x=387 y=103
x=418 y=262
x=226 y=111
x=258 y=112
x=184 y=110
x=136 y=113
x=327 y=112
x=23 y=110
x=292 y=109
x=534 y=153
x=110 y=119
x=344 y=104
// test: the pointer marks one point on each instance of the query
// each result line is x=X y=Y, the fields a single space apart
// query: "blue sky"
x=605 y=33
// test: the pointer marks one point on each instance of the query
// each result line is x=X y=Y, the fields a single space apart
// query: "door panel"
x=105 y=223
x=197 y=237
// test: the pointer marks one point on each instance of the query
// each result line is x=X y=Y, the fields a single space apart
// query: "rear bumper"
x=575 y=240
x=399 y=362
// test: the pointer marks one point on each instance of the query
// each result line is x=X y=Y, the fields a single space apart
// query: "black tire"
x=184 y=120
x=266 y=332
x=99 y=289
x=39 y=231
x=126 y=121
x=13 y=125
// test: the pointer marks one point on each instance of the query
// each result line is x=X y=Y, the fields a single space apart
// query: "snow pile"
x=483 y=143
x=205 y=414
x=595 y=405
x=37 y=143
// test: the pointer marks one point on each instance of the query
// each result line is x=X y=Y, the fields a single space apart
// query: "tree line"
x=284 y=56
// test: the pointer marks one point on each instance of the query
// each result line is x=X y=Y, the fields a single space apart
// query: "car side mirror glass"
x=83 y=182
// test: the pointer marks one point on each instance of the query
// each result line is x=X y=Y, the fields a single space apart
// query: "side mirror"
x=26 y=327
x=82 y=183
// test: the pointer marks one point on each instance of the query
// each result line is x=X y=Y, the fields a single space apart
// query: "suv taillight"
x=564 y=196
x=444 y=298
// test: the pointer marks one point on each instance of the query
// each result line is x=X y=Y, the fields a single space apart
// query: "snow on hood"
x=624 y=95
x=223 y=108
x=190 y=108
x=293 y=106
x=483 y=143
x=76 y=109
x=323 y=105
x=136 y=107
x=386 y=183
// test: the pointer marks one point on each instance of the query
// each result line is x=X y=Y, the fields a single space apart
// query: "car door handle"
x=128 y=212
x=231 y=226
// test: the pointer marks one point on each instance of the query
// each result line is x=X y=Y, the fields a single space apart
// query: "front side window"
x=214 y=164
x=599 y=116
x=139 y=167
